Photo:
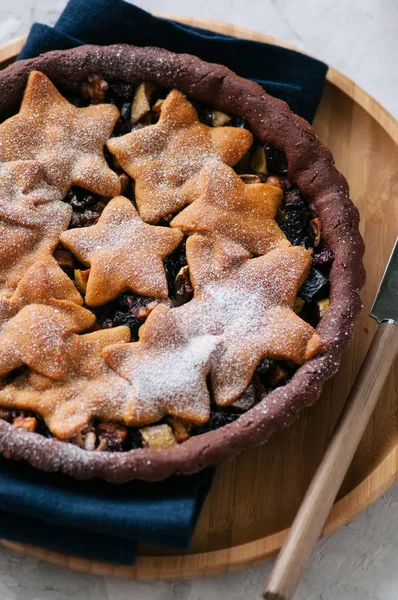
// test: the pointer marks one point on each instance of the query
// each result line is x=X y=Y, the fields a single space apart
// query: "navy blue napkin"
x=95 y=519
x=292 y=76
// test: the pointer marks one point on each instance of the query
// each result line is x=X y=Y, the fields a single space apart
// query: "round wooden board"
x=254 y=499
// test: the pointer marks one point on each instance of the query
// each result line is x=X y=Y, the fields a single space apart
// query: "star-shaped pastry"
x=251 y=307
x=124 y=253
x=166 y=158
x=89 y=389
x=167 y=369
x=243 y=314
x=23 y=245
x=212 y=258
x=67 y=140
x=244 y=213
x=43 y=283
x=36 y=323
x=23 y=189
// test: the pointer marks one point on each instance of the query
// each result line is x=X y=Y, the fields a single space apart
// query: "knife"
x=318 y=501
x=385 y=306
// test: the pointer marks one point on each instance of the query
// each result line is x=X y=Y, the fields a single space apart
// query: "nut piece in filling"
x=158 y=437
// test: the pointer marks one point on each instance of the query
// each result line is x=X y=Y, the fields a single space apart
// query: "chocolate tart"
x=226 y=134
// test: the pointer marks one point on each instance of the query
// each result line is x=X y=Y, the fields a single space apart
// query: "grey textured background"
x=360 y=561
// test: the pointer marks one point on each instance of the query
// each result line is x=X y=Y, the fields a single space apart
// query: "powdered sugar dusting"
x=124 y=253
x=21 y=246
x=241 y=310
x=44 y=149
x=34 y=334
x=248 y=315
x=243 y=213
x=89 y=388
x=67 y=141
x=171 y=382
x=166 y=158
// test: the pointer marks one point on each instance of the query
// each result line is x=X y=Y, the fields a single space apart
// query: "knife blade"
x=385 y=305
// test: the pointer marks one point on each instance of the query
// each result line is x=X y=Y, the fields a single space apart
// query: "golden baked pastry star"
x=23 y=189
x=124 y=253
x=251 y=308
x=89 y=389
x=238 y=316
x=43 y=283
x=167 y=369
x=67 y=140
x=21 y=246
x=165 y=158
x=244 y=213
x=35 y=322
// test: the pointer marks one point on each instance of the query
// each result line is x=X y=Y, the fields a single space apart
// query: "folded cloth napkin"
x=95 y=519
x=292 y=76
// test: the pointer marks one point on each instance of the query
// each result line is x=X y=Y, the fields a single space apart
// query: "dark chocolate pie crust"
x=310 y=167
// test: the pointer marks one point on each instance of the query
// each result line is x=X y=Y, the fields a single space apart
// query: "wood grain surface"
x=254 y=499
x=324 y=487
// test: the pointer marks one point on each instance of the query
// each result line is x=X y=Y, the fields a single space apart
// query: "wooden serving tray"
x=254 y=499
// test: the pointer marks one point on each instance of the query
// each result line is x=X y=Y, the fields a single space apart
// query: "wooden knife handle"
x=321 y=494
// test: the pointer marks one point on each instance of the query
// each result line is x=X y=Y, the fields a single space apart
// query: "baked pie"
x=180 y=263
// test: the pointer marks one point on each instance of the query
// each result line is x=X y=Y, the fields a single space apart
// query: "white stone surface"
x=359 y=562
x=358 y=37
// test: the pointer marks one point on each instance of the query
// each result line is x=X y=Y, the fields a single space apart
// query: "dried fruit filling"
x=138 y=108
